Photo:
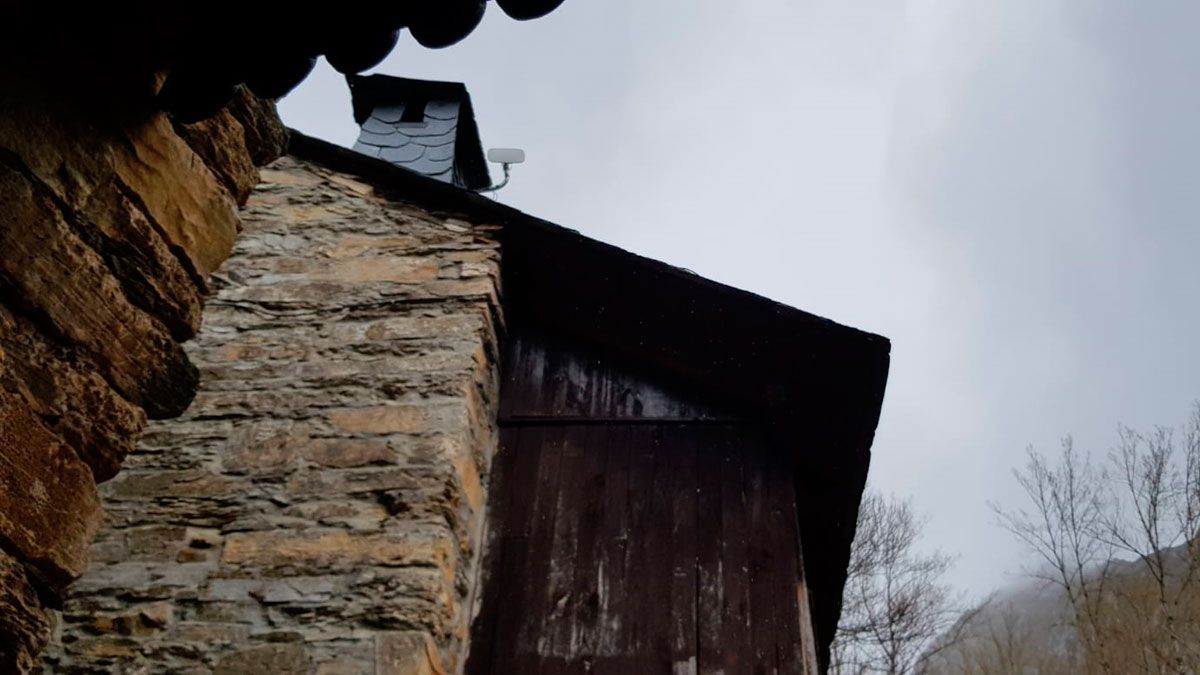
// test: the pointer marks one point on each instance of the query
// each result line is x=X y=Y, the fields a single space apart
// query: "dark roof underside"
x=817 y=384
x=209 y=48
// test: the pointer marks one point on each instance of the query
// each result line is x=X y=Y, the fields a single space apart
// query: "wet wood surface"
x=546 y=380
x=632 y=530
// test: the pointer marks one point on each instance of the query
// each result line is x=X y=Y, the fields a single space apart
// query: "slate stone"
x=391 y=139
x=407 y=155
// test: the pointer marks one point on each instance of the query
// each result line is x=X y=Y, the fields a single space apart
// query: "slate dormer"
x=423 y=126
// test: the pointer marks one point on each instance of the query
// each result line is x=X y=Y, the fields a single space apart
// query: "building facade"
x=437 y=435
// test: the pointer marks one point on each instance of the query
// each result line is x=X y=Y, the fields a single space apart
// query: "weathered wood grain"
x=658 y=536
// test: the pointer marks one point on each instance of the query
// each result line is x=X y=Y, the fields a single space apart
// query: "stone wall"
x=317 y=508
x=111 y=219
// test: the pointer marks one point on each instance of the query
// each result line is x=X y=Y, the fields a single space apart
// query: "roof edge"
x=447 y=197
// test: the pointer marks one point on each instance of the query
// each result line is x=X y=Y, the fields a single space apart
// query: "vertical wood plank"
x=763 y=559
x=680 y=452
x=514 y=537
x=520 y=625
x=735 y=602
x=584 y=612
x=555 y=611
x=710 y=578
x=783 y=537
x=494 y=589
x=638 y=504
x=571 y=622
x=611 y=581
x=657 y=608
x=643 y=585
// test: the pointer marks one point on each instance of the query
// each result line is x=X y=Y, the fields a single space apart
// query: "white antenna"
x=505 y=157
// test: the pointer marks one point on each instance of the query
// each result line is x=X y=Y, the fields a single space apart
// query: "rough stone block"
x=407 y=653
x=336 y=549
x=144 y=620
x=52 y=270
x=279 y=659
x=49 y=509
x=155 y=542
x=64 y=389
x=257 y=448
x=152 y=276
x=150 y=485
x=386 y=419
x=348 y=453
x=408 y=327
x=66 y=150
x=210 y=635
x=350 y=246
x=24 y=623
x=359 y=514
x=141 y=581
x=332 y=483
x=178 y=191
x=76 y=153
x=221 y=142
x=106 y=649
x=265 y=136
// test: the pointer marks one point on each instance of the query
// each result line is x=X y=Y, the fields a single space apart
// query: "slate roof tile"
x=405 y=155
x=388 y=113
x=378 y=126
x=391 y=139
x=426 y=147
x=444 y=144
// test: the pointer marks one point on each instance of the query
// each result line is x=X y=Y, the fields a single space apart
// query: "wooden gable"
x=634 y=527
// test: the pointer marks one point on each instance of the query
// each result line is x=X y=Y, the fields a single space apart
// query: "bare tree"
x=1120 y=542
x=895 y=605
x=1065 y=528
x=1156 y=483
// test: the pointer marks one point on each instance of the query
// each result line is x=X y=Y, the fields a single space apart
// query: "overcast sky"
x=1007 y=190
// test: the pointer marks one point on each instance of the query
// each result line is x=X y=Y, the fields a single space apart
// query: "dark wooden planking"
x=564 y=546
x=640 y=586
x=655 y=646
x=494 y=592
x=583 y=612
x=508 y=546
x=762 y=559
x=614 y=540
x=539 y=573
x=574 y=382
x=735 y=601
x=519 y=626
x=641 y=544
x=710 y=464
x=519 y=379
x=574 y=594
x=680 y=448
x=513 y=541
x=669 y=547
x=794 y=649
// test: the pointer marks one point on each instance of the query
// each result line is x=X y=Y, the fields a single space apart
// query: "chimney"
x=423 y=126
